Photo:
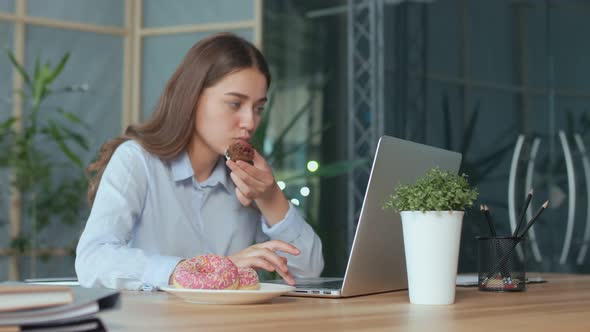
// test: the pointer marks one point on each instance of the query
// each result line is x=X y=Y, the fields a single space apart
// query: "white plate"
x=214 y=296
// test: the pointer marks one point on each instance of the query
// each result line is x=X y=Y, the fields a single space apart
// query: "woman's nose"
x=247 y=120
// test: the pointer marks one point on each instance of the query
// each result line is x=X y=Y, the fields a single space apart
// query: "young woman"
x=163 y=192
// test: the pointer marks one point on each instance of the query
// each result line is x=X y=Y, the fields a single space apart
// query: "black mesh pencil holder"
x=500 y=266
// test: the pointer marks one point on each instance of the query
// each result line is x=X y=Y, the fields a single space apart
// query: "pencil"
x=486 y=212
x=523 y=213
x=530 y=223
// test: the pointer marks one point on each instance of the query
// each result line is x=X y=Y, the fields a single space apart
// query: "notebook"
x=22 y=296
x=376 y=262
x=86 y=303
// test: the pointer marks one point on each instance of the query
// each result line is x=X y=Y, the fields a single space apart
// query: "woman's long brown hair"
x=169 y=130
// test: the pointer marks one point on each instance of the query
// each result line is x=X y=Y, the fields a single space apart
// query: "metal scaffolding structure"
x=374 y=66
x=365 y=96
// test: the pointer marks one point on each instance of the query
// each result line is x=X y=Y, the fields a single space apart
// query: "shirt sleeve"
x=294 y=230
x=103 y=257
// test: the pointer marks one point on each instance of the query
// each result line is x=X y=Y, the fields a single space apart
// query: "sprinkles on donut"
x=214 y=272
x=206 y=272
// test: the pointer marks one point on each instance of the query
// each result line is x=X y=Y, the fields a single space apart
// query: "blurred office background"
x=505 y=82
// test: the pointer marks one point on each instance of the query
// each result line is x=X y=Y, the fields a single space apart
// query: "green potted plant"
x=40 y=149
x=432 y=212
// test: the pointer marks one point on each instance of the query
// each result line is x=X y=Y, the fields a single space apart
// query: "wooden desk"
x=562 y=304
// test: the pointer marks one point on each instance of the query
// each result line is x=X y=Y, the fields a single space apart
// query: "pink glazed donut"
x=206 y=272
x=248 y=279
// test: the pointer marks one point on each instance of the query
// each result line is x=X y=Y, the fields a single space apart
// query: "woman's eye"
x=259 y=109
x=234 y=104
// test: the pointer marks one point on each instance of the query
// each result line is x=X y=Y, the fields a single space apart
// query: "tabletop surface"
x=561 y=304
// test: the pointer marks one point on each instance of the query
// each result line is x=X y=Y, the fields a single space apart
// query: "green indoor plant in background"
x=41 y=151
x=432 y=212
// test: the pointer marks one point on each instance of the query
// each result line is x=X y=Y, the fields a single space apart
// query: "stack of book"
x=29 y=307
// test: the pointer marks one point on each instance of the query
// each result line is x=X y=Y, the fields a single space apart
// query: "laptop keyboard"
x=337 y=284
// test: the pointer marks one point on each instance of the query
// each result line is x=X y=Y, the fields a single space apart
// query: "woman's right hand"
x=263 y=256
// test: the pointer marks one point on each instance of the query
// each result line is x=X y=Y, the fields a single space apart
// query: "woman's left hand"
x=263 y=256
x=253 y=182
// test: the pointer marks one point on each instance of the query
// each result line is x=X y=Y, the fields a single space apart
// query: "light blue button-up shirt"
x=149 y=214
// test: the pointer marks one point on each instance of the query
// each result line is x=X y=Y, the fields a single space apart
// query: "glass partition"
x=467 y=76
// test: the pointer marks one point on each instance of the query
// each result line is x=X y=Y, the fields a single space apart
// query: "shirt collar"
x=182 y=170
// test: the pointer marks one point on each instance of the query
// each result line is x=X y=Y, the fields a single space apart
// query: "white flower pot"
x=431 y=242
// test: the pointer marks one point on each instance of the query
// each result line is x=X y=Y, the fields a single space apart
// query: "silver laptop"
x=377 y=263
